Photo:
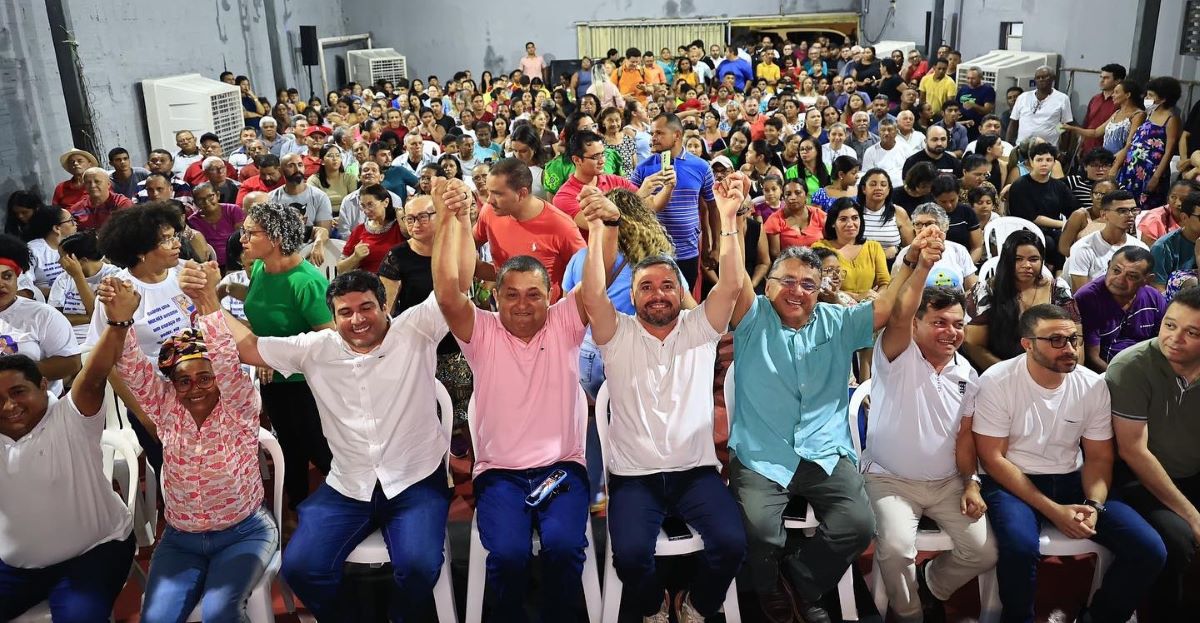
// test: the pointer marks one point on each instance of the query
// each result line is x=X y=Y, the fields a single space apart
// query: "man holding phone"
x=661 y=455
x=529 y=415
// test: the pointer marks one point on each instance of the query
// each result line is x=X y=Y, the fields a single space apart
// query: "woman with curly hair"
x=286 y=297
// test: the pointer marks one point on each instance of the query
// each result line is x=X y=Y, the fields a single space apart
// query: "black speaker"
x=308 y=45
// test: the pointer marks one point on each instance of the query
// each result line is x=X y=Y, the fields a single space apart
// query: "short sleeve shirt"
x=681 y=216
x=790 y=387
x=1145 y=388
x=1041 y=118
x=38 y=331
x=1113 y=328
x=790 y=236
x=551 y=237
x=287 y=303
x=164 y=311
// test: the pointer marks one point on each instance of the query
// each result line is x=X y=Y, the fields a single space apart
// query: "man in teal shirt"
x=790 y=433
x=1177 y=250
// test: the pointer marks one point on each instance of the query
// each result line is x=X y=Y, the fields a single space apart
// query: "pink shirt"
x=532 y=66
x=1157 y=223
x=567 y=197
x=527 y=394
x=210 y=473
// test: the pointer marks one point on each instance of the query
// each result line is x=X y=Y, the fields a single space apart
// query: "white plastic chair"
x=115 y=446
x=931 y=541
x=259 y=607
x=477 y=569
x=663 y=546
x=810 y=523
x=1055 y=543
x=999 y=228
x=373 y=550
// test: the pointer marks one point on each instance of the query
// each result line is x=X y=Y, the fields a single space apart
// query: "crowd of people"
x=528 y=241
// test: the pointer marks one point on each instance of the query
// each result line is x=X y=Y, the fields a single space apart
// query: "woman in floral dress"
x=1144 y=166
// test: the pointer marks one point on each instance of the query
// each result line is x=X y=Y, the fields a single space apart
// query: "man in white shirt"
x=1090 y=254
x=888 y=154
x=65 y=535
x=1040 y=112
x=955 y=269
x=188 y=153
x=907 y=133
x=661 y=456
x=373 y=380
x=918 y=384
x=1043 y=432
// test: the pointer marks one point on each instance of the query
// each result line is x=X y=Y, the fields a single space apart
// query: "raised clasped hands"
x=731 y=193
x=450 y=196
x=119 y=298
x=596 y=207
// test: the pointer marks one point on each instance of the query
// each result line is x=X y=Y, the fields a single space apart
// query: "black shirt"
x=891 y=88
x=1030 y=199
x=862 y=72
x=415 y=274
x=902 y=199
x=947 y=163
x=963 y=221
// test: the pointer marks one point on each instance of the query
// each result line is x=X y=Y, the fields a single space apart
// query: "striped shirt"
x=681 y=216
x=886 y=234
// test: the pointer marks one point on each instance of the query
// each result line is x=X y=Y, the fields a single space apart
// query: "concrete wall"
x=444 y=37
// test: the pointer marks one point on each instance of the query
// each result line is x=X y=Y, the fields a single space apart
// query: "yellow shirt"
x=770 y=73
x=866 y=271
x=937 y=92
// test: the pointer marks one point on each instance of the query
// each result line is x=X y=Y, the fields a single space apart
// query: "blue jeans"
x=332 y=525
x=217 y=569
x=591 y=377
x=636 y=510
x=506 y=526
x=1138 y=551
x=81 y=589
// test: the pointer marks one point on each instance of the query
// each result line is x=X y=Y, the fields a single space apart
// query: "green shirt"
x=1145 y=388
x=556 y=172
x=1173 y=252
x=286 y=304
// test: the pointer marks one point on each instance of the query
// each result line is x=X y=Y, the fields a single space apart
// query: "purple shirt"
x=1113 y=329
x=217 y=234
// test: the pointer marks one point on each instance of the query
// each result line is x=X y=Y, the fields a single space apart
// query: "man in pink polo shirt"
x=587 y=154
x=529 y=417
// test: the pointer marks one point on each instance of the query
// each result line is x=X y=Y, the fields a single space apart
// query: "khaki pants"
x=899 y=504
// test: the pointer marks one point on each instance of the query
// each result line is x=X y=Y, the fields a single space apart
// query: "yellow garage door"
x=597 y=38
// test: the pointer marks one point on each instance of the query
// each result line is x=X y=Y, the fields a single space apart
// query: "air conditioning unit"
x=884 y=49
x=192 y=102
x=1006 y=68
x=370 y=66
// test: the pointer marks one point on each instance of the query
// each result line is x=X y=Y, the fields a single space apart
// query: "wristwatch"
x=911 y=264
x=1094 y=504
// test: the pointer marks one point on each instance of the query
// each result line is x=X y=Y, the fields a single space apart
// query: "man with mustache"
x=296 y=193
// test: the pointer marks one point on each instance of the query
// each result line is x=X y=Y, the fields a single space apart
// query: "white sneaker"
x=685 y=612
x=664 y=613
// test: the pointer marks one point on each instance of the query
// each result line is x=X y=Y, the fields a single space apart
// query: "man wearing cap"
x=315 y=137
x=210 y=147
x=100 y=201
x=70 y=192
x=188 y=152
x=721 y=168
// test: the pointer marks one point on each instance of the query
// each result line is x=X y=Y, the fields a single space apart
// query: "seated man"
x=65 y=535
x=528 y=425
x=918 y=384
x=1089 y=256
x=1043 y=432
x=1119 y=308
x=387 y=472
x=661 y=455
x=784 y=446
x=1154 y=406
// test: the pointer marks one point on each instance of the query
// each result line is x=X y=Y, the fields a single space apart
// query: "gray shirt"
x=315 y=203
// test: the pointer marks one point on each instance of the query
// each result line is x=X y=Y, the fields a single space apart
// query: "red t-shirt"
x=194 y=174
x=92 y=217
x=551 y=237
x=567 y=197
x=67 y=194
x=255 y=184
x=1099 y=109
x=247 y=172
x=312 y=164
x=379 y=244
x=790 y=236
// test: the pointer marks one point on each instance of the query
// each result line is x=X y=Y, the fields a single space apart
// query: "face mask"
x=1149 y=103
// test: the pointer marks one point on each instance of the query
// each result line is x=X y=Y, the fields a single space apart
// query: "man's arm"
x=967 y=461
x=1133 y=446
x=930 y=242
x=87 y=390
x=1097 y=468
x=731 y=275
x=199 y=282
x=592 y=290
x=897 y=334
x=450 y=234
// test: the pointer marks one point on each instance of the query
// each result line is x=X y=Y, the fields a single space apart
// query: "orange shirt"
x=552 y=237
x=628 y=83
x=790 y=236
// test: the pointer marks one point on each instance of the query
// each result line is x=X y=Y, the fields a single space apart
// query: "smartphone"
x=665 y=158
x=676 y=529
x=547 y=489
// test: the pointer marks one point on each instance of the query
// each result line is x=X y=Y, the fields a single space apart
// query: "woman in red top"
x=797 y=224
x=369 y=242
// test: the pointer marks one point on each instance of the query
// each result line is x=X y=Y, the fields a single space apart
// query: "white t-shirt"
x=165 y=310
x=236 y=306
x=55 y=502
x=915 y=141
x=1043 y=426
x=1090 y=254
x=37 y=331
x=64 y=296
x=25 y=282
x=955 y=262
x=915 y=415
x=316 y=204
x=890 y=160
x=43 y=260
x=828 y=153
x=661 y=396
x=1041 y=118
x=378 y=410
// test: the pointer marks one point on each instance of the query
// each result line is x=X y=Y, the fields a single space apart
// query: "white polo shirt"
x=915 y=414
x=378 y=410
x=661 y=396
x=1041 y=118
x=1043 y=426
x=37 y=330
x=1090 y=254
x=55 y=502
x=890 y=160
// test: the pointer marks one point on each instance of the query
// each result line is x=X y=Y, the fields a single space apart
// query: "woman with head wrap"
x=219 y=538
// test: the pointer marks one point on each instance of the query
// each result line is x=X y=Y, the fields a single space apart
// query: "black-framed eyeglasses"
x=420 y=217
x=1124 y=211
x=790 y=283
x=201 y=381
x=69 y=220
x=1061 y=341
x=600 y=157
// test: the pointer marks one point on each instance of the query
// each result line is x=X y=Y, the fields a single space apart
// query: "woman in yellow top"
x=863 y=260
x=686 y=72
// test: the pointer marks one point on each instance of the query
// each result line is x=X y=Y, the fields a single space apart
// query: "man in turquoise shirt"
x=791 y=435
x=1177 y=250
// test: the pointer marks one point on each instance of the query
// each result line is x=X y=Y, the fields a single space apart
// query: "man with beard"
x=936 y=141
x=388 y=475
x=659 y=367
x=788 y=346
x=268 y=179
x=161 y=161
x=1043 y=432
x=296 y=193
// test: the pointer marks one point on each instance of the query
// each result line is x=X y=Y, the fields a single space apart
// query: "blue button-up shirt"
x=791 y=399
